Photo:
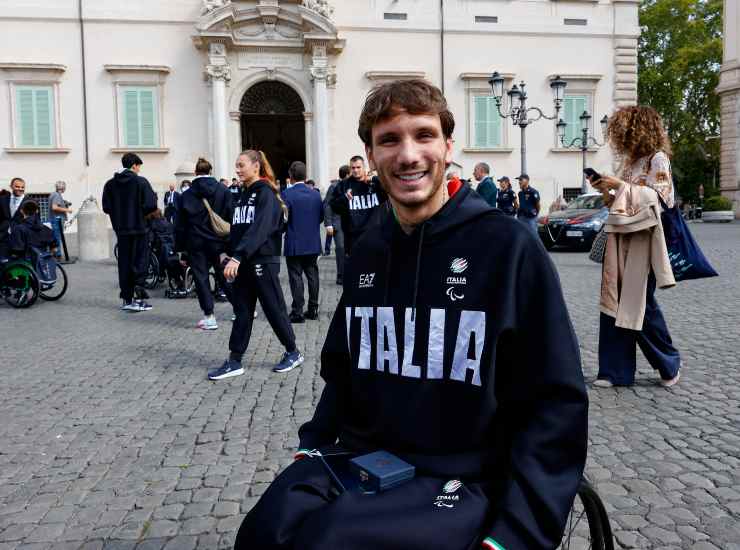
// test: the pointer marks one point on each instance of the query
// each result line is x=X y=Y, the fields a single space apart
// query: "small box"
x=380 y=471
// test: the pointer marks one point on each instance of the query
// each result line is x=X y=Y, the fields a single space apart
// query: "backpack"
x=46 y=267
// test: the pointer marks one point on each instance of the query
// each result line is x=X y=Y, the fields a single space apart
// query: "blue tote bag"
x=687 y=259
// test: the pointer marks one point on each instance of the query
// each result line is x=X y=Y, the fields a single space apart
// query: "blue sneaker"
x=290 y=360
x=227 y=370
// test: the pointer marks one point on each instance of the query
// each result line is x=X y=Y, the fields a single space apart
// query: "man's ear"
x=449 y=142
x=370 y=158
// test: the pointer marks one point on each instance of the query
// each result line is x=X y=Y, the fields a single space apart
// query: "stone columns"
x=729 y=93
x=320 y=76
x=219 y=73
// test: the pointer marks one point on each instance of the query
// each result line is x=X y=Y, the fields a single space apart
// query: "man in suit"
x=333 y=224
x=10 y=211
x=170 y=200
x=303 y=242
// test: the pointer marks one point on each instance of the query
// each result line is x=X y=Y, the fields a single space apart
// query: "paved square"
x=112 y=437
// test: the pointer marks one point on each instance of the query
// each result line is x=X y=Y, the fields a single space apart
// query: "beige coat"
x=635 y=245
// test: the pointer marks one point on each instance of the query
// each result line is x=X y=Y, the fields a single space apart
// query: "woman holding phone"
x=254 y=265
x=636 y=258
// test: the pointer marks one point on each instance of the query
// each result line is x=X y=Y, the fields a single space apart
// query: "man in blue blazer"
x=303 y=242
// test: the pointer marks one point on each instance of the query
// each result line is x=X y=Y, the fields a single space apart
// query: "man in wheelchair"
x=451 y=353
x=161 y=235
x=30 y=238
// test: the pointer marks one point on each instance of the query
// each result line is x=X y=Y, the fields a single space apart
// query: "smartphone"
x=592 y=174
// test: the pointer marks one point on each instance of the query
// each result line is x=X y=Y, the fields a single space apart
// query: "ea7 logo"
x=366 y=280
x=459 y=265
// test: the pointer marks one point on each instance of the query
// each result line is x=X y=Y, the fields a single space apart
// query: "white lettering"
x=386 y=325
x=348 y=320
x=472 y=325
x=366 y=313
x=435 y=359
x=409 y=335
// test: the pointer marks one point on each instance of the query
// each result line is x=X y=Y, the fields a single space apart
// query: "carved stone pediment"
x=286 y=24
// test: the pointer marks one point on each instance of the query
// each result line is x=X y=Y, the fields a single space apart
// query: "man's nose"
x=408 y=151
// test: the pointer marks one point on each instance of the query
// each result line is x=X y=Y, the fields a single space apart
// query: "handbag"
x=220 y=227
x=687 y=259
x=598 y=248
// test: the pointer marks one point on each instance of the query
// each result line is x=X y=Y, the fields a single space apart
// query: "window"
x=34 y=110
x=139 y=116
x=486 y=123
x=395 y=16
x=573 y=107
x=486 y=19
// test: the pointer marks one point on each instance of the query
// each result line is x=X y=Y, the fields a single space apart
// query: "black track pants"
x=133 y=259
x=204 y=254
x=298 y=512
x=297 y=266
x=253 y=282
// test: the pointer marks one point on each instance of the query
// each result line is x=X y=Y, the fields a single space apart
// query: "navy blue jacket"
x=429 y=356
x=305 y=214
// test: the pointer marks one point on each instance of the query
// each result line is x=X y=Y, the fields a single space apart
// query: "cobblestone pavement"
x=111 y=436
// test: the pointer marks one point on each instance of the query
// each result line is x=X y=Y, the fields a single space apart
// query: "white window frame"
x=476 y=85
x=580 y=85
x=138 y=76
x=42 y=75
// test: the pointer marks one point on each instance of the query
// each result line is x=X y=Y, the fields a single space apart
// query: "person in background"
x=529 y=203
x=127 y=199
x=333 y=225
x=30 y=233
x=302 y=242
x=16 y=199
x=170 y=202
x=636 y=258
x=557 y=205
x=486 y=188
x=58 y=211
x=506 y=199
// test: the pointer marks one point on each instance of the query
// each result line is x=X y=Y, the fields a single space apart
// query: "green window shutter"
x=35 y=116
x=574 y=105
x=140 y=128
x=486 y=122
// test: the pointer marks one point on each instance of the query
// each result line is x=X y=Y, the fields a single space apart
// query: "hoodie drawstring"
x=416 y=276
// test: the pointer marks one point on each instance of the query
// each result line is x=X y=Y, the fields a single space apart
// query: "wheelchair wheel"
x=19 y=285
x=588 y=524
x=57 y=290
x=152 y=272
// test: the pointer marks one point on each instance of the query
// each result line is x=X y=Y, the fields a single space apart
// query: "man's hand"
x=330 y=230
x=348 y=194
x=231 y=269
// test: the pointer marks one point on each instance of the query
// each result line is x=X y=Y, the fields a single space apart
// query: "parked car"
x=576 y=226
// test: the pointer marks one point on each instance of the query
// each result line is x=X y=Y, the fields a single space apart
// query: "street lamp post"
x=518 y=111
x=583 y=141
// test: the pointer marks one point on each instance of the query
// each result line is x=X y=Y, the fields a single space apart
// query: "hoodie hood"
x=125 y=176
x=204 y=186
x=34 y=223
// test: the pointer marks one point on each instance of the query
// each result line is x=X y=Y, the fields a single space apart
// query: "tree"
x=679 y=56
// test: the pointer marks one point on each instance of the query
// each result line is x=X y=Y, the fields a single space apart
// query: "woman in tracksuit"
x=254 y=266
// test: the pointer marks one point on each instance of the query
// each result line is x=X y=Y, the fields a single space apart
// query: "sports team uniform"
x=459 y=363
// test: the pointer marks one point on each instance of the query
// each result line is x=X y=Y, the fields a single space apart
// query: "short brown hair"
x=203 y=167
x=416 y=97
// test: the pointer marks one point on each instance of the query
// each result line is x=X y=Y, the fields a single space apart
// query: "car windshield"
x=590 y=202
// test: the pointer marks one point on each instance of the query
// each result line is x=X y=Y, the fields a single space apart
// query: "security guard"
x=506 y=200
x=529 y=203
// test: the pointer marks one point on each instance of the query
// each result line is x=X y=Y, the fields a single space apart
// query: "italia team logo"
x=452 y=486
x=459 y=265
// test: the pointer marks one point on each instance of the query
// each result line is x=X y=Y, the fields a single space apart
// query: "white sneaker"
x=602 y=383
x=132 y=306
x=672 y=382
x=207 y=323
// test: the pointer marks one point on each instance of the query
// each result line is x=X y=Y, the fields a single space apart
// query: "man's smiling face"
x=410 y=153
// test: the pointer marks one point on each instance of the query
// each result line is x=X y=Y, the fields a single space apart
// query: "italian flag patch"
x=491 y=544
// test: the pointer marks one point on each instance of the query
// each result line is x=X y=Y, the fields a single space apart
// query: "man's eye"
x=387 y=139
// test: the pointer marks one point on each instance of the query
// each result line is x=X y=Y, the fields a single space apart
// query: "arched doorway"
x=272 y=121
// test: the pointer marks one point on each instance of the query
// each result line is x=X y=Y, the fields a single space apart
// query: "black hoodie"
x=453 y=349
x=356 y=215
x=127 y=198
x=257 y=225
x=30 y=233
x=192 y=218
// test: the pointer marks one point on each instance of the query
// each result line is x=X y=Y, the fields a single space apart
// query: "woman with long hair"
x=636 y=258
x=254 y=266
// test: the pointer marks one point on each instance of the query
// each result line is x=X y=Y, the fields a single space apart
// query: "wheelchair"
x=588 y=524
x=19 y=284
x=153 y=275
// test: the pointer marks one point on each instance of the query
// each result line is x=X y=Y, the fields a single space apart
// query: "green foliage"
x=717 y=203
x=679 y=55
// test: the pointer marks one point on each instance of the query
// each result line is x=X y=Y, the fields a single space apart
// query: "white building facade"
x=84 y=81
x=729 y=92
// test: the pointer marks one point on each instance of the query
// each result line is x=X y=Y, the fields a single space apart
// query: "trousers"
x=297 y=267
x=204 y=254
x=133 y=259
x=253 y=282
x=618 y=346
x=298 y=510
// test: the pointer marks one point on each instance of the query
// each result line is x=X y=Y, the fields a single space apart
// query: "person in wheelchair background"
x=161 y=236
x=30 y=236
